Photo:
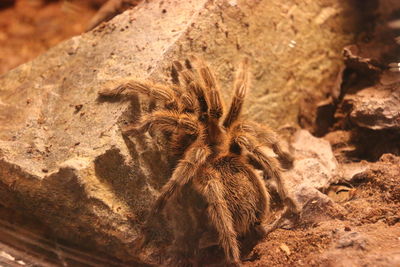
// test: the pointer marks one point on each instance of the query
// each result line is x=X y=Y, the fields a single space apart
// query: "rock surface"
x=63 y=159
x=376 y=108
x=315 y=167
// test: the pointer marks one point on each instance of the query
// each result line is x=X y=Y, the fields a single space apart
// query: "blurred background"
x=25 y=30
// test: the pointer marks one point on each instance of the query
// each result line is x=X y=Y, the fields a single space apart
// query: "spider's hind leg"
x=270 y=166
x=266 y=137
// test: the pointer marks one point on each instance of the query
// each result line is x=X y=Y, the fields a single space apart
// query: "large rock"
x=62 y=156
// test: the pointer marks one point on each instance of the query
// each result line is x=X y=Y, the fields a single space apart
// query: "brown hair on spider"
x=218 y=152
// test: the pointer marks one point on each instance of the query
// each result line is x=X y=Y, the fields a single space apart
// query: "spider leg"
x=268 y=138
x=193 y=87
x=212 y=91
x=269 y=164
x=220 y=216
x=186 y=169
x=132 y=87
x=167 y=121
x=181 y=78
x=208 y=86
x=240 y=86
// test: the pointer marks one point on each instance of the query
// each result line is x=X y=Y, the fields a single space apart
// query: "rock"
x=357 y=62
x=63 y=159
x=352 y=239
x=285 y=249
x=369 y=245
x=315 y=169
x=315 y=165
x=351 y=170
x=376 y=107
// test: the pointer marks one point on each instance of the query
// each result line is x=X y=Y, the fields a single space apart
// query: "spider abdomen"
x=245 y=193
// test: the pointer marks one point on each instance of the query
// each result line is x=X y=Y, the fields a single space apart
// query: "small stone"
x=78 y=108
x=352 y=239
x=285 y=249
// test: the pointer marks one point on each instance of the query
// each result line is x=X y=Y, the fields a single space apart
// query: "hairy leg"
x=219 y=215
x=167 y=121
x=266 y=137
x=212 y=91
x=132 y=87
x=193 y=159
x=186 y=78
x=216 y=108
x=186 y=169
x=240 y=86
x=269 y=164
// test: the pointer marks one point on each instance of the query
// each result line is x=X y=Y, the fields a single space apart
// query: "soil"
x=362 y=231
x=368 y=234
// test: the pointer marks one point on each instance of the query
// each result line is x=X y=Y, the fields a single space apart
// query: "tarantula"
x=215 y=176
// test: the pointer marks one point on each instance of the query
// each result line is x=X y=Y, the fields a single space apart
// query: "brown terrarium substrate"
x=73 y=190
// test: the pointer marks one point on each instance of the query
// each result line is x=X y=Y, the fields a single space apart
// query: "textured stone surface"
x=62 y=156
x=315 y=168
x=377 y=107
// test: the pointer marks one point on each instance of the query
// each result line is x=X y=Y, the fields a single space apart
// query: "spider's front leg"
x=130 y=87
x=216 y=108
x=210 y=89
x=166 y=121
x=187 y=79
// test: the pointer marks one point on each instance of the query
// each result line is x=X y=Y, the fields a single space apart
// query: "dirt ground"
x=362 y=231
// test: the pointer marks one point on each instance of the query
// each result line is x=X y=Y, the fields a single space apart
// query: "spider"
x=214 y=189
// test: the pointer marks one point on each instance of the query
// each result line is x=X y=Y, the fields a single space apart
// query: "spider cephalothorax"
x=215 y=170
